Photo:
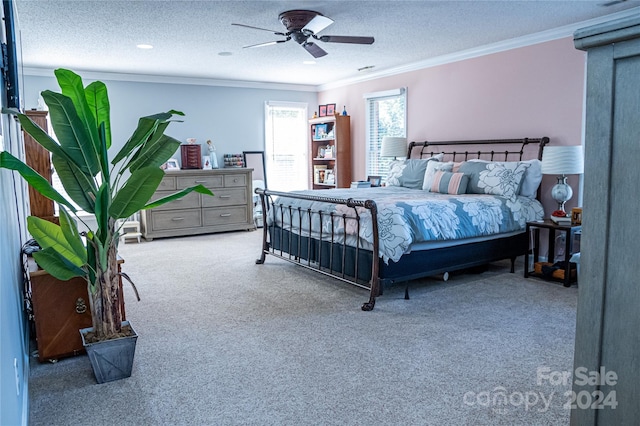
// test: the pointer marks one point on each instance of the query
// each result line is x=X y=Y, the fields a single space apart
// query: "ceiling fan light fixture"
x=309 y=62
x=144 y=46
x=303 y=25
x=225 y=53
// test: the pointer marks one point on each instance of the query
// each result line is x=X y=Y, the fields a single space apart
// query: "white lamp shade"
x=393 y=147
x=563 y=160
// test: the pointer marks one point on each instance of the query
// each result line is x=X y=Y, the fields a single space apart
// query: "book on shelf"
x=561 y=220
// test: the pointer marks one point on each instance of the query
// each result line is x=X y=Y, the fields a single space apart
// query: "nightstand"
x=567 y=275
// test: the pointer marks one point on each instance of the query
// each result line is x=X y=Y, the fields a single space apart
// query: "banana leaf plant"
x=107 y=189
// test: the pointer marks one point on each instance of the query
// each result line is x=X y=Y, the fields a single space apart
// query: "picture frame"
x=331 y=109
x=576 y=216
x=320 y=131
x=319 y=173
x=329 y=177
x=322 y=110
x=172 y=164
x=374 y=180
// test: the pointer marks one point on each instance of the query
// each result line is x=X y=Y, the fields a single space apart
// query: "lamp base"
x=561 y=192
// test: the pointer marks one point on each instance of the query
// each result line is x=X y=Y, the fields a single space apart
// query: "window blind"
x=385 y=116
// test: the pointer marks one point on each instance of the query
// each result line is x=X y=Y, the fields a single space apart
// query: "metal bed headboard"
x=430 y=148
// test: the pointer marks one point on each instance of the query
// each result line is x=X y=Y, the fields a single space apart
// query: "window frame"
x=371 y=134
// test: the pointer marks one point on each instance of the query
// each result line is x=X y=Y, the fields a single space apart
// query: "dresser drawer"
x=175 y=219
x=189 y=201
x=223 y=216
x=206 y=181
x=235 y=180
x=168 y=183
x=225 y=197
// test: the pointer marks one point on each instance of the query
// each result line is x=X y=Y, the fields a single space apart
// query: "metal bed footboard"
x=326 y=253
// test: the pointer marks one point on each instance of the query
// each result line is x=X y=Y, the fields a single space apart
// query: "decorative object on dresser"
x=213 y=157
x=106 y=189
x=330 y=148
x=562 y=161
x=172 y=164
x=191 y=156
x=233 y=160
x=231 y=209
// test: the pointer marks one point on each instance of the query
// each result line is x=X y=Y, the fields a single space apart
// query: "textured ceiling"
x=189 y=35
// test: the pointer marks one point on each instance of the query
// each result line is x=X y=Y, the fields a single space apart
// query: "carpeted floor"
x=225 y=341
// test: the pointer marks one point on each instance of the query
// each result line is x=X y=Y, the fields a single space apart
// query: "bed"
x=451 y=205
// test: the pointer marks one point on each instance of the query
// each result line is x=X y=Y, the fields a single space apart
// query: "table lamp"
x=393 y=147
x=562 y=161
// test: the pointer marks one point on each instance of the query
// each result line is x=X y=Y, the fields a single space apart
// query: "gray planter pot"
x=111 y=359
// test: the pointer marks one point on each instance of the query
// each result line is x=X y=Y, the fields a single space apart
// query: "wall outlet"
x=15 y=367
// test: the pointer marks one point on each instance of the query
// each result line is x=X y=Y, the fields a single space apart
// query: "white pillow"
x=432 y=168
x=532 y=177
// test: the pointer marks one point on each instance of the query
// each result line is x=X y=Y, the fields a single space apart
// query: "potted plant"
x=108 y=190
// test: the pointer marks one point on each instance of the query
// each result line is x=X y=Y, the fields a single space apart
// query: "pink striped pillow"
x=449 y=183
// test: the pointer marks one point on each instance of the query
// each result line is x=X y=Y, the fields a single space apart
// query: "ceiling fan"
x=304 y=24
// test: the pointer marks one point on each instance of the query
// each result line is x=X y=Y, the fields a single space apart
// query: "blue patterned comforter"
x=407 y=216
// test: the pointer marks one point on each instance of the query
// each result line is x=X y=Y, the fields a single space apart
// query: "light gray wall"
x=14 y=343
x=231 y=117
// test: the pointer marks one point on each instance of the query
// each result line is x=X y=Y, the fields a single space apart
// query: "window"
x=286 y=145
x=386 y=114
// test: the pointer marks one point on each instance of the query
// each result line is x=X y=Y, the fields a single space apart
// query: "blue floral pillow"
x=409 y=173
x=494 y=178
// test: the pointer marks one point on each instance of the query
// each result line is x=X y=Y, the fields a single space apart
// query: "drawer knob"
x=225 y=196
x=200 y=181
x=81 y=306
x=225 y=214
x=176 y=219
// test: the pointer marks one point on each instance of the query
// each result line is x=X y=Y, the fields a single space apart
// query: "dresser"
x=230 y=209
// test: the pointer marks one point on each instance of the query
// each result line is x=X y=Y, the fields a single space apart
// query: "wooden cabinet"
x=60 y=310
x=191 y=156
x=330 y=152
x=230 y=209
x=39 y=159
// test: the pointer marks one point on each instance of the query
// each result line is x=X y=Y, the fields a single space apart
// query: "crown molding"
x=149 y=78
x=501 y=46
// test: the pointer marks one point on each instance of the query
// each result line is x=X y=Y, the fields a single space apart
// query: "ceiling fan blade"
x=315 y=50
x=346 y=39
x=317 y=24
x=268 y=43
x=258 y=28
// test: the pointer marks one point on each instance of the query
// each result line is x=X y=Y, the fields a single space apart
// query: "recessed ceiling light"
x=309 y=62
x=225 y=54
x=144 y=46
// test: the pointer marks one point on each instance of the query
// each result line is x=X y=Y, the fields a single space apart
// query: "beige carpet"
x=224 y=341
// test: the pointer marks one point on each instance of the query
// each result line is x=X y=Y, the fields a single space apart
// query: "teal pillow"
x=407 y=173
